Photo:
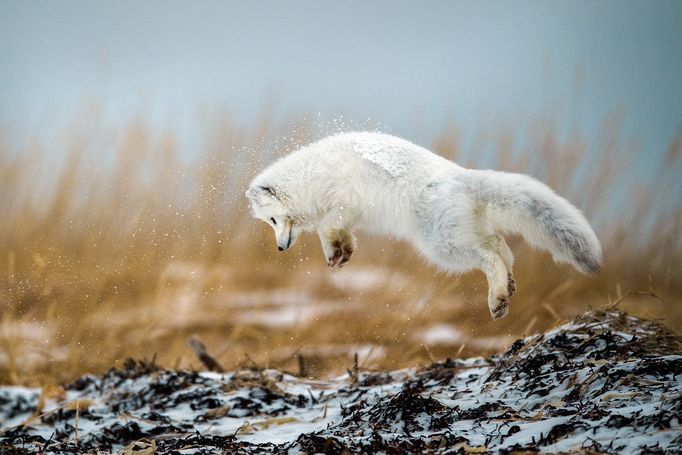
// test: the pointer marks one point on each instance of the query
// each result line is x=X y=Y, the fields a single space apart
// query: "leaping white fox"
x=454 y=216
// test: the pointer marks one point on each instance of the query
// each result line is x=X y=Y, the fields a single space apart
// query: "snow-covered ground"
x=605 y=382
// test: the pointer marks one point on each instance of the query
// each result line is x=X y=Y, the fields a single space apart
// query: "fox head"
x=269 y=206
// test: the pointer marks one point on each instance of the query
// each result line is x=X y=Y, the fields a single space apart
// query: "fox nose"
x=280 y=248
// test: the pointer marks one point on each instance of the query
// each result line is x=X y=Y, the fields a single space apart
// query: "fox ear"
x=257 y=191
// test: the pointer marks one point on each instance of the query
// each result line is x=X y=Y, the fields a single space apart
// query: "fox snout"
x=286 y=234
x=282 y=246
x=284 y=241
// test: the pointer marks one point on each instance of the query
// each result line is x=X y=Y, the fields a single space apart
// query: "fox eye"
x=273 y=221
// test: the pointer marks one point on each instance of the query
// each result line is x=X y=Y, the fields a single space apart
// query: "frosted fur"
x=454 y=216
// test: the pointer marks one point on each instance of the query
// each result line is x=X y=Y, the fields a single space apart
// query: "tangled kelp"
x=604 y=383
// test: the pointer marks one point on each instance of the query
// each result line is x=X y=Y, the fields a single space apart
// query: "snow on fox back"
x=394 y=155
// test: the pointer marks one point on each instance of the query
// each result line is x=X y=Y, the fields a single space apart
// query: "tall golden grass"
x=129 y=245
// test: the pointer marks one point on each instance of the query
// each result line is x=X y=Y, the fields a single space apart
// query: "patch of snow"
x=446 y=334
x=362 y=279
x=277 y=297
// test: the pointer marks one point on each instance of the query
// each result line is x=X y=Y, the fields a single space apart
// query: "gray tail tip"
x=588 y=265
x=593 y=269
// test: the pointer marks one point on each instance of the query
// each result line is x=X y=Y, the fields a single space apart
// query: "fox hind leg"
x=498 y=276
x=497 y=243
x=449 y=239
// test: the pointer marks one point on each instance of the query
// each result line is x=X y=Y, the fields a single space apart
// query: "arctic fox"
x=454 y=216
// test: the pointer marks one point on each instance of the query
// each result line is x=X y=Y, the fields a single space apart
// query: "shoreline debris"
x=604 y=383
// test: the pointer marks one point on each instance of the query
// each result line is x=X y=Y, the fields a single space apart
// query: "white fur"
x=454 y=216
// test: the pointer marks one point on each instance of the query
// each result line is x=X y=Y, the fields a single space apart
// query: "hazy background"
x=414 y=67
x=128 y=131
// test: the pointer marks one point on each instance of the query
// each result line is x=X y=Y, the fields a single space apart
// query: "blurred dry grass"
x=127 y=248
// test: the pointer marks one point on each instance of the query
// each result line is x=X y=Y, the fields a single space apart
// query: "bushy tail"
x=519 y=204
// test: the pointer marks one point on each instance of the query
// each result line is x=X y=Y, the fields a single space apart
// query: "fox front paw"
x=498 y=305
x=340 y=254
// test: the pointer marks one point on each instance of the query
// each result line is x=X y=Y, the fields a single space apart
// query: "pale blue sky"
x=412 y=66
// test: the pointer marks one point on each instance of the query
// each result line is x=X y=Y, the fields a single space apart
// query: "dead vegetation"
x=129 y=246
x=604 y=383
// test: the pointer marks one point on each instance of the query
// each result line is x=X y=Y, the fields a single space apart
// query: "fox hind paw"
x=511 y=284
